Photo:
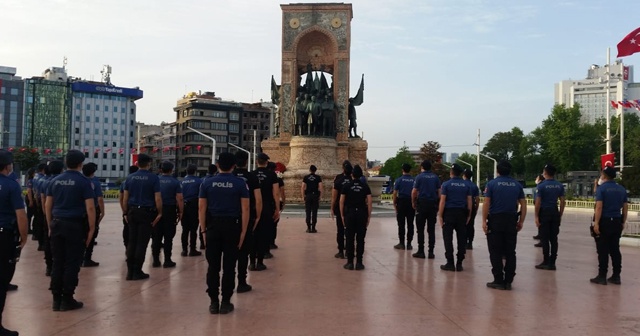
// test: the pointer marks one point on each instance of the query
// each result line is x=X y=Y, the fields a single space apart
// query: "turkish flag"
x=614 y=104
x=630 y=44
x=608 y=159
x=199 y=147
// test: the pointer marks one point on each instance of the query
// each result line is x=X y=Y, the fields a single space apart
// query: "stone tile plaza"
x=306 y=291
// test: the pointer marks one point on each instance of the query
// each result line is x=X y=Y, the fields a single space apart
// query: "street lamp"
x=244 y=150
x=213 y=149
x=467 y=163
x=495 y=163
x=2 y=132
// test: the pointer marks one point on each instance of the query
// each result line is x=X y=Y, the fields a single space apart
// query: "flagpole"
x=622 y=135
x=608 y=103
x=478 y=160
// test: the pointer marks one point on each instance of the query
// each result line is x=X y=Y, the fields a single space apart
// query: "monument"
x=314 y=119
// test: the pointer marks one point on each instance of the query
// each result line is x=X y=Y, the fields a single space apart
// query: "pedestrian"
x=224 y=218
x=338 y=183
x=263 y=233
x=475 y=202
x=89 y=171
x=355 y=208
x=311 y=190
x=611 y=216
x=144 y=211
x=69 y=206
x=501 y=224
x=424 y=197
x=453 y=214
x=402 y=205
x=123 y=207
x=255 y=210
x=13 y=229
x=549 y=195
x=190 y=189
x=172 y=210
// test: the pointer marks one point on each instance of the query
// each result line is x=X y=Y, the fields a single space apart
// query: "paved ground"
x=306 y=291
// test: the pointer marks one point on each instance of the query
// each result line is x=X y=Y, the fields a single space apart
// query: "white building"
x=590 y=93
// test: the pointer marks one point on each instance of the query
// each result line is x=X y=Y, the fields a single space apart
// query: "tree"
x=507 y=146
x=431 y=151
x=393 y=166
x=25 y=158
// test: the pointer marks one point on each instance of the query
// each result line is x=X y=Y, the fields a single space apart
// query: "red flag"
x=614 y=104
x=23 y=149
x=199 y=147
x=97 y=150
x=86 y=150
x=608 y=159
x=630 y=44
x=133 y=150
x=155 y=149
x=165 y=149
x=187 y=147
x=34 y=150
x=59 y=150
x=143 y=150
x=11 y=149
x=121 y=151
x=47 y=151
x=107 y=150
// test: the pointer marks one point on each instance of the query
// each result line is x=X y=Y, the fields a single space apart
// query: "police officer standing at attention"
x=453 y=213
x=402 y=204
x=311 y=190
x=13 y=228
x=283 y=200
x=190 y=189
x=89 y=171
x=123 y=206
x=501 y=224
x=548 y=217
x=144 y=210
x=172 y=210
x=211 y=172
x=475 y=200
x=69 y=206
x=224 y=218
x=53 y=169
x=424 y=197
x=38 y=216
x=255 y=209
x=611 y=215
x=263 y=233
x=338 y=183
x=355 y=208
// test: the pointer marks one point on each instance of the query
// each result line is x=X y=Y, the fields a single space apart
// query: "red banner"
x=134 y=159
x=608 y=160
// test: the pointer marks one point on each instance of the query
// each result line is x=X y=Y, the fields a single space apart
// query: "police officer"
x=338 y=183
x=211 y=172
x=255 y=210
x=13 y=228
x=224 y=218
x=270 y=191
x=611 y=216
x=38 y=216
x=311 y=190
x=144 y=210
x=402 y=204
x=123 y=206
x=172 y=210
x=283 y=200
x=89 y=170
x=548 y=216
x=453 y=214
x=30 y=201
x=69 y=206
x=355 y=209
x=424 y=197
x=501 y=224
x=190 y=188
x=54 y=168
x=475 y=201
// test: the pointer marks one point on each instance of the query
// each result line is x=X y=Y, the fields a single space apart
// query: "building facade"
x=11 y=108
x=255 y=117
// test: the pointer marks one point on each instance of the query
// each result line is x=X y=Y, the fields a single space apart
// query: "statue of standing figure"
x=314 y=111
x=328 y=116
x=353 y=102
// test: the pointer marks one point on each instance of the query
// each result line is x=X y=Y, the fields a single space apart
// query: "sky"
x=435 y=70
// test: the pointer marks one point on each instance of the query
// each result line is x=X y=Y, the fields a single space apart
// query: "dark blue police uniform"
x=45 y=184
x=475 y=193
x=190 y=189
x=69 y=191
x=427 y=184
x=338 y=183
x=38 y=216
x=142 y=187
x=125 y=224
x=311 y=200
x=247 y=245
x=223 y=194
x=356 y=216
x=97 y=193
x=549 y=191
x=404 y=209
x=613 y=196
x=504 y=193
x=165 y=230
x=456 y=193
x=263 y=233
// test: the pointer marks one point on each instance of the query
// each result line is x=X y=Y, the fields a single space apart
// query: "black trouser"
x=340 y=236
x=356 y=230
x=190 y=225
x=426 y=214
x=125 y=233
x=139 y=234
x=262 y=236
x=608 y=244
x=7 y=264
x=89 y=251
x=471 y=231
x=245 y=251
x=164 y=232
x=311 y=204
x=223 y=236
x=502 y=236
x=405 y=214
x=454 y=219
x=48 y=252
x=68 y=241
x=39 y=225
x=30 y=213
x=548 y=231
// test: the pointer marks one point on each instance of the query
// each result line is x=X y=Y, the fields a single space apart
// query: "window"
x=97 y=131
x=133 y=111
x=88 y=107
x=122 y=121
x=3 y=90
x=219 y=114
x=114 y=155
x=121 y=168
x=115 y=109
x=106 y=108
x=95 y=143
x=104 y=167
x=106 y=132
x=77 y=130
x=234 y=128
x=97 y=119
x=218 y=126
x=76 y=142
x=235 y=116
x=122 y=110
x=113 y=167
x=106 y=120
x=121 y=133
x=95 y=155
x=77 y=106
x=86 y=154
x=115 y=132
x=77 y=118
x=97 y=107
x=114 y=144
x=14 y=91
x=105 y=144
x=115 y=120
x=104 y=155
x=86 y=142
x=87 y=119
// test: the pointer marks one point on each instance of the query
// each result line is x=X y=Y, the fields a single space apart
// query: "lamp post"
x=244 y=150
x=213 y=149
x=467 y=163
x=495 y=163
x=2 y=132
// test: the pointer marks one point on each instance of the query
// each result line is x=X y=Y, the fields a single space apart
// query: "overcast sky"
x=435 y=69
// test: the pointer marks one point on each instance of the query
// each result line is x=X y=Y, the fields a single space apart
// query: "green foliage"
x=25 y=158
x=507 y=146
x=393 y=166
x=431 y=151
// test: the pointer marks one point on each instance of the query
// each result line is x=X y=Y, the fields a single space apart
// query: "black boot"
x=129 y=271
x=614 y=279
x=431 y=255
x=601 y=279
x=69 y=303
x=459 y=267
x=399 y=246
x=448 y=266
x=308 y=228
x=57 y=300
x=156 y=260
x=420 y=253
x=313 y=228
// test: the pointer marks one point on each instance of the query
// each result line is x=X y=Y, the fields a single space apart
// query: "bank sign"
x=106 y=90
